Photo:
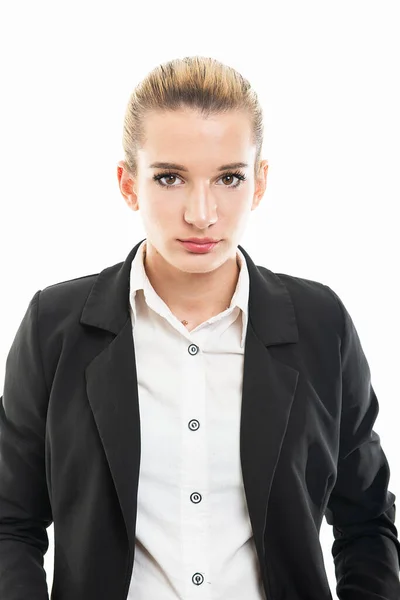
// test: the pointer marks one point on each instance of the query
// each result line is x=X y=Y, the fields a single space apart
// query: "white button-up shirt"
x=193 y=533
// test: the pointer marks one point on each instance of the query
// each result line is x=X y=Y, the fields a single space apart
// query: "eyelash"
x=239 y=174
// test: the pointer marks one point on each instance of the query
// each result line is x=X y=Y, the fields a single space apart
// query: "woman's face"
x=196 y=198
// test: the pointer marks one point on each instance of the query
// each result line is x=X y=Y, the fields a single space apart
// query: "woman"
x=185 y=417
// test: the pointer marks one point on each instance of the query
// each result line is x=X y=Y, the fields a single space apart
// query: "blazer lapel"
x=269 y=387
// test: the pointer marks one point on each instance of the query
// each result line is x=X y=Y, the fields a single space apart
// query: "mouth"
x=202 y=248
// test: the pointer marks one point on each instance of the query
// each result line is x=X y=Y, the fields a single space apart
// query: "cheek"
x=161 y=214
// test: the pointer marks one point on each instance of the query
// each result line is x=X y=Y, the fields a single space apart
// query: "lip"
x=201 y=240
x=198 y=248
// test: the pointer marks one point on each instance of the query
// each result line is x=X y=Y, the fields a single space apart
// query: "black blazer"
x=70 y=444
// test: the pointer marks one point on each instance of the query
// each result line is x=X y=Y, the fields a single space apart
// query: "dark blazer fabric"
x=70 y=444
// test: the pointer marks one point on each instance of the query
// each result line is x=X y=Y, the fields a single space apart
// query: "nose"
x=201 y=209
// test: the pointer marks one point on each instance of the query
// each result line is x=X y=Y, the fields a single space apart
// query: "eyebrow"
x=168 y=165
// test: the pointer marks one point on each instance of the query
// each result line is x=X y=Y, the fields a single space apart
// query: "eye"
x=240 y=176
x=160 y=176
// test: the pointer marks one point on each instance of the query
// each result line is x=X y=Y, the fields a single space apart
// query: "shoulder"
x=313 y=301
x=65 y=297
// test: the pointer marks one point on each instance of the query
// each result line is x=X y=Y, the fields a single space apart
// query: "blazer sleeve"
x=360 y=508
x=25 y=510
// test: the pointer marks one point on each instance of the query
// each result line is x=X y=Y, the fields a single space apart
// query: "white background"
x=327 y=75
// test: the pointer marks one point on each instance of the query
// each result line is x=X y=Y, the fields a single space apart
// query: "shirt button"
x=193 y=424
x=197 y=578
x=193 y=349
x=195 y=497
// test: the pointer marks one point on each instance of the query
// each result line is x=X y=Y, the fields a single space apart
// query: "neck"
x=192 y=293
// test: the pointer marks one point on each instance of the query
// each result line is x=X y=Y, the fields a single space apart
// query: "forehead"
x=188 y=133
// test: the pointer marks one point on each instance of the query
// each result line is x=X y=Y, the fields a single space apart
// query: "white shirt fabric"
x=193 y=533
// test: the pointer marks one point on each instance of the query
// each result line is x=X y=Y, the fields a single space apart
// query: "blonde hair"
x=197 y=82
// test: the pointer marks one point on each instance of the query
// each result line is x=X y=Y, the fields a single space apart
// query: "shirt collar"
x=140 y=281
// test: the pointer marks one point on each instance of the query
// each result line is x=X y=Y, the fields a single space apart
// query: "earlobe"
x=131 y=201
x=134 y=205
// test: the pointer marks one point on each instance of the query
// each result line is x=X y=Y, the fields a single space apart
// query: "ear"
x=261 y=184
x=126 y=185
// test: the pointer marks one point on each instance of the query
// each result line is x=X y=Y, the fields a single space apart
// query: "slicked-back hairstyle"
x=196 y=82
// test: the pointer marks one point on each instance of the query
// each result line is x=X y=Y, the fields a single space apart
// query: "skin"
x=199 y=202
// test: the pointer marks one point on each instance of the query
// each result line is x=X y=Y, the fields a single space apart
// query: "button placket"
x=195 y=497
